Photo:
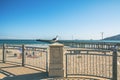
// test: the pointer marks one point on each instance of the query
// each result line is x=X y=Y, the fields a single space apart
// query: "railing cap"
x=56 y=44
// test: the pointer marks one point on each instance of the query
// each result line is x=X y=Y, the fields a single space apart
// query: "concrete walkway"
x=16 y=72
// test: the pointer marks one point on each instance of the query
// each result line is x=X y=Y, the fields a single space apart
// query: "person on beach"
x=33 y=55
x=20 y=50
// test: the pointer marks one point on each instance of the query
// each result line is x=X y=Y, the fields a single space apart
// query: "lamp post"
x=102 y=35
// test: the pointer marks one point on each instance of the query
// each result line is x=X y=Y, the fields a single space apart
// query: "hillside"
x=116 y=37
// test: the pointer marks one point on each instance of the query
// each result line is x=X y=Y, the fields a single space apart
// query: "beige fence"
x=84 y=62
x=25 y=55
x=1 y=51
x=96 y=63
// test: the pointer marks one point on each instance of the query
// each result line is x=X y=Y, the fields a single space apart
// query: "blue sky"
x=77 y=19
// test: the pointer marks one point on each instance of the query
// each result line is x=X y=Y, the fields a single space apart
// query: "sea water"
x=45 y=44
x=25 y=42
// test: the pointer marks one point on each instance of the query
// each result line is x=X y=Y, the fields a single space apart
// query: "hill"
x=116 y=37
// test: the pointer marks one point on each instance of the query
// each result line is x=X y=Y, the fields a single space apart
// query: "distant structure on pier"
x=49 y=41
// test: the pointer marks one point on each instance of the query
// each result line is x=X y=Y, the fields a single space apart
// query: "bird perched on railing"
x=55 y=39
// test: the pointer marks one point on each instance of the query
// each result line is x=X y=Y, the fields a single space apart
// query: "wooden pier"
x=98 y=44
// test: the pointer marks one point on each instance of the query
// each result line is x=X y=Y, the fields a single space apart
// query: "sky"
x=69 y=19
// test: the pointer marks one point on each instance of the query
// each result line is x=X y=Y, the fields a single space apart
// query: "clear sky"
x=69 y=19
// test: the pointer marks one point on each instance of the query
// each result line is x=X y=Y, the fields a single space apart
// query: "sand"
x=38 y=60
x=2 y=76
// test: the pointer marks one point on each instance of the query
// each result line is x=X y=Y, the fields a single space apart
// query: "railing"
x=35 y=57
x=1 y=51
x=95 y=63
x=11 y=53
x=92 y=45
x=118 y=66
x=79 y=62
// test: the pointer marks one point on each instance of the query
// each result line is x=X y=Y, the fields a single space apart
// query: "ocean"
x=25 y=42
x=39 y=43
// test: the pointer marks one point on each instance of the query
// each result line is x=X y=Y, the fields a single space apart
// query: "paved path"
x=16 y=72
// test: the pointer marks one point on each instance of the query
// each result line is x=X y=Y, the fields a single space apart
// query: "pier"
x=90 y=44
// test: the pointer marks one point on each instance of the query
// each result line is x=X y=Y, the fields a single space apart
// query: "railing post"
x=56 y=60
x=23 y=55
x=114 y=74
x=46 y=60
x=4 y=53
x=66 y=65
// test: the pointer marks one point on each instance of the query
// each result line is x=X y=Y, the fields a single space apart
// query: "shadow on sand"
x=12 y=76
x=35 y=76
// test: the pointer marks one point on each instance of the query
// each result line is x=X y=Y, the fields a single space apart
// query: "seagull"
x=55 y=39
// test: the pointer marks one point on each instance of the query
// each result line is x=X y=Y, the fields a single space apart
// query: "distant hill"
x=116 y=37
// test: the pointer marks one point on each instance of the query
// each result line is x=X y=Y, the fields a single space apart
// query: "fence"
x=25 y=55
x=96 y=63
x=1 y=50
x=118 y=66
x=91 y=45
x=79 y=62
x=36 y=57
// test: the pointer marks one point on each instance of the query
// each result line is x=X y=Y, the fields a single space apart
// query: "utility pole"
x=102 y=35
x=72 y=40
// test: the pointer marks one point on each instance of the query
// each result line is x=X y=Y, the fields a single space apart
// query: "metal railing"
x=92 y=45
x=79 y=62
x=36 y=57
x=1 y=51
x=96 y=63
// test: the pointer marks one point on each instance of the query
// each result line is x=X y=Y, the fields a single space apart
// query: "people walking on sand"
x=33 y=55
x=20 y=55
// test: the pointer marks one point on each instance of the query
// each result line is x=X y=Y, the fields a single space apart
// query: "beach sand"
x=2 y=76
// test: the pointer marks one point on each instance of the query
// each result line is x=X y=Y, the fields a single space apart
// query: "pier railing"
x=77 y=61
x=30 y=56
x=91 y=45
x=92 y=62
x=1 y=53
